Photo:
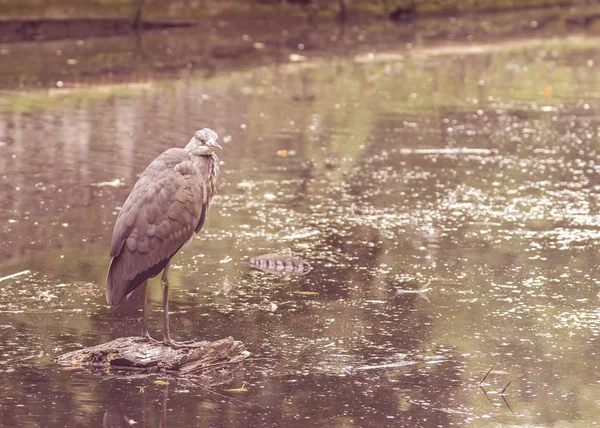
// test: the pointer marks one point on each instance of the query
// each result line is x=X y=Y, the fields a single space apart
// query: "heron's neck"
x=202 y=161
x=191 y=145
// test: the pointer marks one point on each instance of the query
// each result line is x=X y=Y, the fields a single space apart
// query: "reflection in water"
x=378 y=397
x=115 y=417
x=359 y=166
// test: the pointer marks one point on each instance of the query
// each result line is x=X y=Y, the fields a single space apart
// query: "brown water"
x=471 y=168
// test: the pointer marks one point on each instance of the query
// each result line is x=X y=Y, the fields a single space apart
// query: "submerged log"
x=133 y=353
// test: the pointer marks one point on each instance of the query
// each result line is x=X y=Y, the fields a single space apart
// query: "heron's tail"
x=116 y=287
x=123 y=278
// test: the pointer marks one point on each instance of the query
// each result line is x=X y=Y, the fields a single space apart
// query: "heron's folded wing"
x=160 y=215
x=159 y=176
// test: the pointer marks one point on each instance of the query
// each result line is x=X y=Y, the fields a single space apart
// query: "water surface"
x=469 y=168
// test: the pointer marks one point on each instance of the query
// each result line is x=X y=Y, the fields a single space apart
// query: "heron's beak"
x=214 y=145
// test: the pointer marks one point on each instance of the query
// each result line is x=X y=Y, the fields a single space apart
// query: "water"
x=473 y=169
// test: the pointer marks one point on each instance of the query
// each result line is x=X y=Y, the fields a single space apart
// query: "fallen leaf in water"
x=385 y=366
x=245 y=185
x=500 y=372
x=129 y=420
x=114 y=183
x=46 y=296
x=446 y=281
x=83 y=290
x=160 y=382
x=307 y=293
x=236 y=390
x=297 y=58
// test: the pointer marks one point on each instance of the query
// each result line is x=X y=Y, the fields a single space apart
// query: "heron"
x=165 y=209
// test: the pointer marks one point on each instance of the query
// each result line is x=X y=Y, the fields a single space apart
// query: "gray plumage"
x=166 y=207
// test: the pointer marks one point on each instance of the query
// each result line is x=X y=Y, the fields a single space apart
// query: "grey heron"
x=165 y=208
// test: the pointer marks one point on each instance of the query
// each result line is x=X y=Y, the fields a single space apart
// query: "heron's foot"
x=182 y=345
x=146 y=338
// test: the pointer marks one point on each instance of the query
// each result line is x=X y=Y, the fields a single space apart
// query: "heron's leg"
x=165 y=287
x=145 y=334
x=166 y=333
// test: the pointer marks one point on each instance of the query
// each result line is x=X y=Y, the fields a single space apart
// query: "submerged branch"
x=14 y=275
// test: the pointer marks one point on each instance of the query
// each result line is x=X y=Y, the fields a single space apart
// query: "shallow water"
x=473 y=169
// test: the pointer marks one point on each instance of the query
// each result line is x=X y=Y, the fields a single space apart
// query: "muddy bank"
x=214 y=46
x=115 y=17
x=17 y=30
x=249 y=9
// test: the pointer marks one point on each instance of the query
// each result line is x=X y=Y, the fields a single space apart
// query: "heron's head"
x=204 y=142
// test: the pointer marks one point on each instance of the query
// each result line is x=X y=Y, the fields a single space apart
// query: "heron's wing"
x=159 y=216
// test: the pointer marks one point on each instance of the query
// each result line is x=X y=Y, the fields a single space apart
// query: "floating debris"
x=226 y=287
x=240 y=389
x=509 y=382
x=46 y=296
x=114 y=183
x=420 y=292
x=282 y=263
x=446 y=151
x=297 y=58
x=302 y=234
x=14 y=275
x=385 y=366
x=285 y=153
x=245 y=185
